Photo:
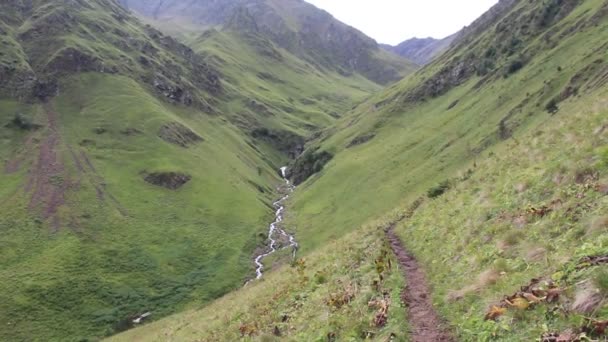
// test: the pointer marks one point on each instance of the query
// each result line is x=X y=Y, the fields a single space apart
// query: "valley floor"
x=533 y=209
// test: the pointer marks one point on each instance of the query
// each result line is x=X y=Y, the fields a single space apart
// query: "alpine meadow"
x=257 y=170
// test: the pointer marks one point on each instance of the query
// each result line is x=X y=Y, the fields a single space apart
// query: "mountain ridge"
x=421 y=50
x=295 y=25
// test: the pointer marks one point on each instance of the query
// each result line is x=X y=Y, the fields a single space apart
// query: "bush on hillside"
x=514 y=67
x=22 y=122
x=439 y=189
x=309 y=163
x=552 y=107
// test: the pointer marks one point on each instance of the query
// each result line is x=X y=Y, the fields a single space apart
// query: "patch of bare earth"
x=426 y=325
x=48 y=180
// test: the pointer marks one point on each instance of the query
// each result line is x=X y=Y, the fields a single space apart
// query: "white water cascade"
x=273 y=229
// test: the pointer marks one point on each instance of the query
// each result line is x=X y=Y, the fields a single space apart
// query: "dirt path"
x=426 y=326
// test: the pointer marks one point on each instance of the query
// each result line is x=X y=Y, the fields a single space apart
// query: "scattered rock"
x=453 y=104
x=169 y=180
x=362 y=139
x=285 y=141
x=173 y=92
x=74 y=60
x=130 y=131
x=585 y=176
x=86 y=142
x=566 y=336
x=45 y=89
x=258 y=107
x=178 y=134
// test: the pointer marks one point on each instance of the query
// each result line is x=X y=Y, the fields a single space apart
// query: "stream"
x=274 y=230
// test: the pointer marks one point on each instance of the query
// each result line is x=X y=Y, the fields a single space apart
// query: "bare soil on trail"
x=426 y=325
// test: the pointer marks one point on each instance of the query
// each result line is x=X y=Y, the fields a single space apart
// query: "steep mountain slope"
x=138 y=174
x=474 y=257
x=421 y=50
x=481 y=92
x=513 y=119
x=304 y=30
x=268 y=87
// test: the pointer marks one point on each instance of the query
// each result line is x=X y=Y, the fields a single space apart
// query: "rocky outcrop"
x=178 y=134
x=361 y=139
x=62 y=38
x=306 y=165
x=285 y=141
x=168 y=180
x=506 y=50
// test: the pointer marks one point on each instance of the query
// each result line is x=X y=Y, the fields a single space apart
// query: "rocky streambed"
x=275 y=232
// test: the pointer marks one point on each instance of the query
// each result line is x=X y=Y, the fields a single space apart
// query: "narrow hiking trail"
x=274 y=229
x=426 y=325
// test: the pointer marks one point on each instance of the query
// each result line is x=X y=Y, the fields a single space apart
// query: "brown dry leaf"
x=495 y=312
x=520 y=303
x=553 y=295
x=600 y=327
x=566 y=336
x=532 y=298
x=597 y=327
x=248 y=330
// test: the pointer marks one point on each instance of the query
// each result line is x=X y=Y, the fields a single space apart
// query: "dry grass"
x=587 y=299
x=487 y=278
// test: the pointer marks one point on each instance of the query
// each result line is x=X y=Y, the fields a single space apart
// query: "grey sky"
x=393 y=21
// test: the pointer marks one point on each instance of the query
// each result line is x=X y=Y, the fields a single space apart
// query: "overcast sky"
x=393 y=21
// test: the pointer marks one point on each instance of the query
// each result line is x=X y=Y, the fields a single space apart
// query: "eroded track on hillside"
x=426 y=325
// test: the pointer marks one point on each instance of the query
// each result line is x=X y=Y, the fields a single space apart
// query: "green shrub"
x=439 y=189
x=22 y=122
x=552 y=107
x=514 y=67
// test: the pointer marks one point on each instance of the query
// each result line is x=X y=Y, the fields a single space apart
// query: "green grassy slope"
x=534 y=208
x=510 y=124
x=478 y=242
x=326 y=296
x=440 y=119
x=117 y=245
x=87 y=243
x=268 y=86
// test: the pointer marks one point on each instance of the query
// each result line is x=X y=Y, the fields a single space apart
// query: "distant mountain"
x=294 y=25
x=421 y=50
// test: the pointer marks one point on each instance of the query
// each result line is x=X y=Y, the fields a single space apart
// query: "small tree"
x=22 y=122
x=552 y=107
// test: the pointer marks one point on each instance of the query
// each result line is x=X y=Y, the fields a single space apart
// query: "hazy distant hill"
x=421 y=50
x=294 y=25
